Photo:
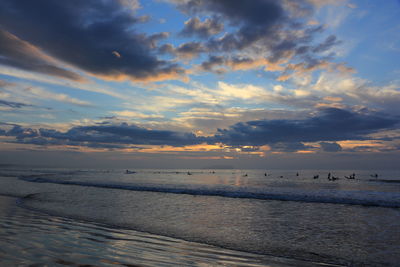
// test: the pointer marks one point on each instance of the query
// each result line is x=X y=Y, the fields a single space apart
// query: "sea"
x=198 y=217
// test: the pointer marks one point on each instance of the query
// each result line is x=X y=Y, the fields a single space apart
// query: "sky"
x=200 y=83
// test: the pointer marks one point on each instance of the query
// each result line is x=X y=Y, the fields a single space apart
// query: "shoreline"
x=13 y=204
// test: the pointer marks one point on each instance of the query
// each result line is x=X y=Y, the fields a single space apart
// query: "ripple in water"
x=30 y=238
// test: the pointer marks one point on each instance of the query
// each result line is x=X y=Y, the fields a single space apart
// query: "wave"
x=365 y=198
x=385 y=181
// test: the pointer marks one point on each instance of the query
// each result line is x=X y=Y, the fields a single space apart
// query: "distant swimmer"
x=375 y=176
x=265 y=174
x=316 y=176
x=189 y=173
x=297 y=174
x=129 y=172
x=329 y=177
x=334 y=178
x=245 y=175
x=281 y=176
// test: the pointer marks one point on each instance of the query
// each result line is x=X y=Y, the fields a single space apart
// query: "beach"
x=199 y=133
x=30 y=238
x=169 y=218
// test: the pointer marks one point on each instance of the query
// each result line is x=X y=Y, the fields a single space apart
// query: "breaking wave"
x=365 y=198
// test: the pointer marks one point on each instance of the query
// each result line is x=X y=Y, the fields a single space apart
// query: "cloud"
x=89 y=86
x=289 y=146
x=132 y=5
x=20 y=54
x=241 y=92
x=195 y=27
x=105 y=41
x=209 y=119
x=137 y=115
x=221 y=64
x=101 y=135
x=260 y=33
x=13 y=104
x=330 y=146
x=26 y=91
x=329 y=124
x=352 y=89
x=45 y=94
x=329 y=42
x=253 y=21
x=184 y=51
x=20 y=132
x=252 y=16
x=213 y=60
x=94 y=29
x=326 y=127
x=189 y=50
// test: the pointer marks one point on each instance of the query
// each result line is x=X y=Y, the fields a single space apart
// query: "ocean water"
x=286 y=218
x=29 y=238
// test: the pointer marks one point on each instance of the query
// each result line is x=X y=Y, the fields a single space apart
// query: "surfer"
x=375 y=176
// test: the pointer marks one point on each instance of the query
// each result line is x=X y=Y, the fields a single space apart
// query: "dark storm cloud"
x=330 y=146
x=95 y=36
x=195 y=27
x=330 y=124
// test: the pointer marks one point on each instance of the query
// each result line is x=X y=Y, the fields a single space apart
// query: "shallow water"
x=36 y=239
x=349 y=222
